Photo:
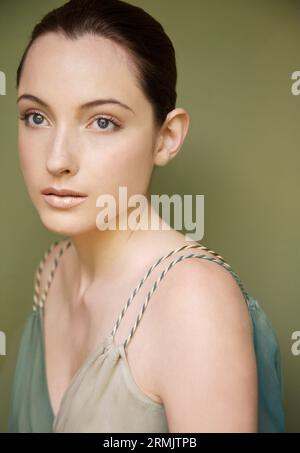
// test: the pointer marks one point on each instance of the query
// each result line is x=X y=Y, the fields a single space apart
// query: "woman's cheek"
x=30 y=168
x=24 y=157
x=27 y=161
x=24 y=146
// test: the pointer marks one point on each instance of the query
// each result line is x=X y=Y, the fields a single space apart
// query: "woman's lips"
x=63 y=201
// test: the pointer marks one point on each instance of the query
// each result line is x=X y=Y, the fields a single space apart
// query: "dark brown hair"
x=132 y=28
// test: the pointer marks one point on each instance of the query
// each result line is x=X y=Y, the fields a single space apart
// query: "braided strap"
x=147 y=274
x=163 y=274
x=40 y=302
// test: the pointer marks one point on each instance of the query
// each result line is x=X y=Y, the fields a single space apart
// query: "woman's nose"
x=62 y=157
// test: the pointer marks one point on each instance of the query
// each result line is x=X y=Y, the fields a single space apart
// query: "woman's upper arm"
x=208 y=377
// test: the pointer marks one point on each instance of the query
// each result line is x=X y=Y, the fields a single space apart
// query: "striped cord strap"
x=219 y=260
x=37 y=301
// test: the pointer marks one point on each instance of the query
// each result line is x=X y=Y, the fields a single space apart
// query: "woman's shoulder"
x=196 y=267
x=201 y=279
x=200 y=287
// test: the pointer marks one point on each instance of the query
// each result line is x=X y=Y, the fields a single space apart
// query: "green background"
x=235 y=61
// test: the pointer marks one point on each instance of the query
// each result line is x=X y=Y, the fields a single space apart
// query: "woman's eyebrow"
x=81 y=107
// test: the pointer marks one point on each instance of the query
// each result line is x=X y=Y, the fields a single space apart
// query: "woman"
x=96 y=96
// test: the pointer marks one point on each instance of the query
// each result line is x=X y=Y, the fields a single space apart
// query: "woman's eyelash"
x=25 y=117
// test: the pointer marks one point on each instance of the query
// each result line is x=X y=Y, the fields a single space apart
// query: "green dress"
x=103 y=395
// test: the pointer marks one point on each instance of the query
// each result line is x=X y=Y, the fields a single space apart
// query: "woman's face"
x=91 y=149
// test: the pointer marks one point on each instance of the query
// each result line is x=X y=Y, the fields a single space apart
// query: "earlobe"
x=161 y=155
x=162 y=158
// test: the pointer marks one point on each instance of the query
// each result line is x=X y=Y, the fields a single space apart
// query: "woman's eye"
x=33 y=119
x=102 y=123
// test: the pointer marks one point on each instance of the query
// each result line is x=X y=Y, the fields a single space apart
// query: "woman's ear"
x=171 y=136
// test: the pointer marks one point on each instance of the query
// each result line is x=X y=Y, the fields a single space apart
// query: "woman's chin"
x=65 y=225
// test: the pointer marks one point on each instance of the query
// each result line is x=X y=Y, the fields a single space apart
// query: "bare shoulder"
x=201 y=283
x=209 y=381
x=204 y=291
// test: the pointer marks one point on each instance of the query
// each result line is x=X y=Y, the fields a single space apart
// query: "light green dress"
x=103 y=396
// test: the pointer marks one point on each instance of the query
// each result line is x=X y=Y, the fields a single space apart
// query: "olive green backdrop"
x=235 y=61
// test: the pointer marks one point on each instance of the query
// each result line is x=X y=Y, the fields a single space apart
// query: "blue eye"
x=102 y=123
x=37 y=118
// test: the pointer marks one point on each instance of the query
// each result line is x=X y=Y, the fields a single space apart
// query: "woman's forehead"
x=66 y=73
x=88 y=62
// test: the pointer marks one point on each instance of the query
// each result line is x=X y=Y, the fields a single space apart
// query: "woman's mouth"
x=63 y=198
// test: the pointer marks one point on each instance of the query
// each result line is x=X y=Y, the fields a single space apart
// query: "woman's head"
x=82 y=52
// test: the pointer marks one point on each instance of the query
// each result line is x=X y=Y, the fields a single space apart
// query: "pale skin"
x=198 y=317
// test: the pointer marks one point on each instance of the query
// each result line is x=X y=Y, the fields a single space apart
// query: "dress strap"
x=219 y=260
x=37 y=300
x=40 y=301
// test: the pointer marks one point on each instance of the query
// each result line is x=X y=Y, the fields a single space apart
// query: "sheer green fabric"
x=30 y=410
